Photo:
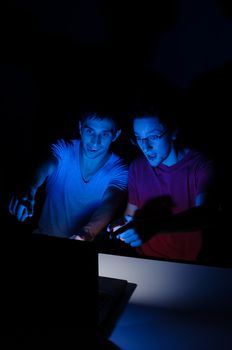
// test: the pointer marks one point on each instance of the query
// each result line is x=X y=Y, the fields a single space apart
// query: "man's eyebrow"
x=151 y=131
x=105 y=130
x=108 y=130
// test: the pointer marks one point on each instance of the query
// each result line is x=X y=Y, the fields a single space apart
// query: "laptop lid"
x=50 y=282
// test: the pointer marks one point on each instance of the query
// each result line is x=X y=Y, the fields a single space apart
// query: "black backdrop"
x=58 y=56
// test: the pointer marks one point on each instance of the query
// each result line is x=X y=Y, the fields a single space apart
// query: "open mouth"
x=151 y=156
x=92 y=150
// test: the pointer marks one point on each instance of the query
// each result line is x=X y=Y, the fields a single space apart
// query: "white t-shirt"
x=69 y=201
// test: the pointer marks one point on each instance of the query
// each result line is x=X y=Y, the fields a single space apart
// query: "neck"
x=175 y=156
x=89 y=167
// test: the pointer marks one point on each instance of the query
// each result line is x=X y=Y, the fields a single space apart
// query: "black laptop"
x=53 y=283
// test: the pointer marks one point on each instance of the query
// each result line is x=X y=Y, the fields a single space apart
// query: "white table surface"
x=174 y=306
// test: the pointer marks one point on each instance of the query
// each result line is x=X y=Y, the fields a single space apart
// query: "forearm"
x=37 y=179
x=38 y=176
x=104 y=214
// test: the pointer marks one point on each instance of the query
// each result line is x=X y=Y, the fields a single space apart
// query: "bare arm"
x=22 y=204
x=130 y=209
x=112 y=200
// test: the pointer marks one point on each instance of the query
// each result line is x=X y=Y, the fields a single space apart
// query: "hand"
x=130 y=230
x=131 y=237
x=77 y=238
x=123 y=229
x=22 y=207
x=115 y=225
x=120 y=225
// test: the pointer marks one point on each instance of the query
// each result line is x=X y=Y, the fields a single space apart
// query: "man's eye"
x=89 y=131
x=106 y=134
x=153 y=137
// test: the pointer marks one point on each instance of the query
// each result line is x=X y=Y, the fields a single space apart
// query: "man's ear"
x=80 y=126
x=175 y=134
x=118 y=132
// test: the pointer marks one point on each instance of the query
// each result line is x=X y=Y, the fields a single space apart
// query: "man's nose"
x=96 y=139
x=145 y=144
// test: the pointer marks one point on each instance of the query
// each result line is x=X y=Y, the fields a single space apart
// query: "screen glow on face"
x=97 y=136
x=103 y=135
x=153 y=139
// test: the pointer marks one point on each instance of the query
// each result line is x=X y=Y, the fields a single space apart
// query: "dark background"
x=58 y=56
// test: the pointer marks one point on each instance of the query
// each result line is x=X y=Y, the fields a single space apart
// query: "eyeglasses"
x=152 y=139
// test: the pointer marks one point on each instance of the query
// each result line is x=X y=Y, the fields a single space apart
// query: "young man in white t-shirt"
x=86 y=183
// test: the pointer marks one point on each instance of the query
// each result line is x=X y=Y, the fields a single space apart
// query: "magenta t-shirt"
x=181 y=182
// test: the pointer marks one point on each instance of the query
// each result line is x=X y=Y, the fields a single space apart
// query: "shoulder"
x=116 y=161
x=116 y=169
x=63 y=144
x=201 y=164
x=62 y=148
x=116 y=173
x=197 y=157
x=138 y=163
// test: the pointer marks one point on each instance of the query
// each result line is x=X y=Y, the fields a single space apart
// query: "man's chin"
x=154 y=162
x=92 y=154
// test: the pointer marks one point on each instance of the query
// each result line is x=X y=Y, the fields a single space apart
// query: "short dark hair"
x=101 y=113
x=163 y=113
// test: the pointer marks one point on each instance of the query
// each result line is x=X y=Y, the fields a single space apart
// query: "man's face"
x=154 y=140
x=97 y=136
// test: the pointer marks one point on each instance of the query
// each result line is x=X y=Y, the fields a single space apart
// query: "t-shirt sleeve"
x=205 y=176
x=119 y=175
x=61 y=149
